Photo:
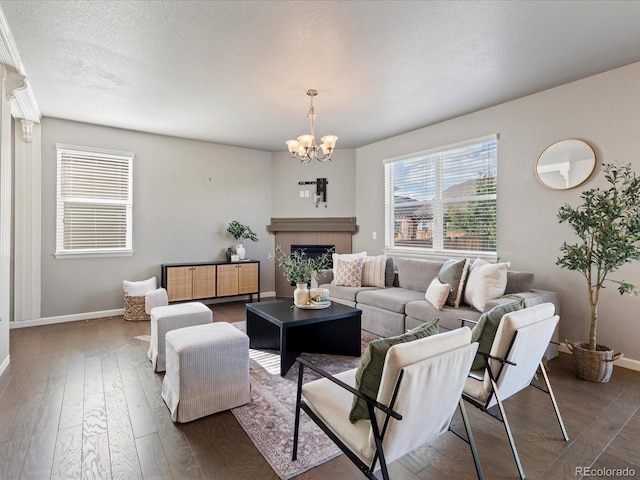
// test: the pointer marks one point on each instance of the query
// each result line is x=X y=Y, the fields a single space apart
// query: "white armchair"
x=521 y=340
x=419 y=393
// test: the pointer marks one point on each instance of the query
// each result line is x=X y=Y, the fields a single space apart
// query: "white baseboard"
x=86 y=316
x=5 y=364
x=623 y=362
x=66 y=318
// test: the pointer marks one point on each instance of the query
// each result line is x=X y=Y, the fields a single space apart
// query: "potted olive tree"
x=608 y=226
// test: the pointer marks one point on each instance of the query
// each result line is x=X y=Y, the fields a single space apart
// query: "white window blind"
x=443 y=200
x=94 y=207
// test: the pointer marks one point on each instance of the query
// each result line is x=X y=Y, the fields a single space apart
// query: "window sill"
x=104 y=254
x=435 y=255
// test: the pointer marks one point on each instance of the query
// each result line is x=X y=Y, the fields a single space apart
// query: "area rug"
x=269 y=418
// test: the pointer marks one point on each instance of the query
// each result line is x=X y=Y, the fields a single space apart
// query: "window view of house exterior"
x=443 y=200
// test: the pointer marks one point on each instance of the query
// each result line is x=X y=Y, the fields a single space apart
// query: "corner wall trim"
x=5 y=364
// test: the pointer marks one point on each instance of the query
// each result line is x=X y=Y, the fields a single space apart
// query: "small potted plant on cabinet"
x=241 y=232
x=608 y=226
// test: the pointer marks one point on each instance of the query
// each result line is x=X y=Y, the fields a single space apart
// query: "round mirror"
x=565 y=164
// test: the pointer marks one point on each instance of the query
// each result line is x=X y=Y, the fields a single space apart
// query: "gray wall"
x=340 y=173
x=185 y=193
x=603 y=111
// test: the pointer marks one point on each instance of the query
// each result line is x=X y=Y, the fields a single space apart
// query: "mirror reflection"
x=565 y=164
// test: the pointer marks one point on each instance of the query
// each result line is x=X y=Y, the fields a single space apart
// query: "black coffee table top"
x=285 y=313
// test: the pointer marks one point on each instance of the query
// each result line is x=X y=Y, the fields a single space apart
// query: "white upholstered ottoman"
x=169 y=317
x=207 y=370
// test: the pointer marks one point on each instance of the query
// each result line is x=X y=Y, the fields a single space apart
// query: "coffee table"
x=279 y=325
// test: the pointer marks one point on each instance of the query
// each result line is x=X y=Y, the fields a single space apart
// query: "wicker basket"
x=592 y=365
x=134 y=308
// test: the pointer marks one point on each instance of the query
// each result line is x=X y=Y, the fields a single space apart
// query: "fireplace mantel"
x=321 y=224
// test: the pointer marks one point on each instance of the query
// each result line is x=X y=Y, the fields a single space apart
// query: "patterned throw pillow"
x=369 y=373
x=348 y=272
x=373 y=271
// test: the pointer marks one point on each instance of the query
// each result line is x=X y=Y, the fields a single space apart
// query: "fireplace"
x=312 y=234
x=312 y=251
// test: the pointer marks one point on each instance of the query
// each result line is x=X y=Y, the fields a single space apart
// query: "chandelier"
x=305 y=148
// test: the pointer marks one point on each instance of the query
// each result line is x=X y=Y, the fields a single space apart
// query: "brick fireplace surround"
x=336 y=231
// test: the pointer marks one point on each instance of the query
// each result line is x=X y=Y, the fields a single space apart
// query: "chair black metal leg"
x=378 y=441
x=296 y=427
x=472 y=443
x=505 y=422
x=553 y=401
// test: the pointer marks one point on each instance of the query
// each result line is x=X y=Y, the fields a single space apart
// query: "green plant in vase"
x=241 y=232
x=300 y=269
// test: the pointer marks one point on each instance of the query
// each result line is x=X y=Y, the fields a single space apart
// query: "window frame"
x=102 y=155
x=438 y=248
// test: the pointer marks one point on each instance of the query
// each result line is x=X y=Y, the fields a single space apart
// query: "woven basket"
x=592 y=365
x=134 y=308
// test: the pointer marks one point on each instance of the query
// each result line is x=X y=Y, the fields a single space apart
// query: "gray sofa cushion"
x=423 y=311
x=345 y=293
x=414 y=274
x=391 y=298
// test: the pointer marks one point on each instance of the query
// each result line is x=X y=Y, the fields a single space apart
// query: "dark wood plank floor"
x=80 y=400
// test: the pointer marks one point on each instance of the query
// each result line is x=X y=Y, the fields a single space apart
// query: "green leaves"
x=608 y=226
x=300 y=269
x=240 y=231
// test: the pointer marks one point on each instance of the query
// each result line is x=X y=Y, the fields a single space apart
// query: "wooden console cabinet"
x=199 y=281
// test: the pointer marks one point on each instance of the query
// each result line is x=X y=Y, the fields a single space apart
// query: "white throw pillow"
x=348 y=272
x=134 y=289
x=373 y=271
x=485 y=282
x=437 y=293
x=345 y=256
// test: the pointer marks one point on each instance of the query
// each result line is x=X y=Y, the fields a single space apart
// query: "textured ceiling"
x=236 y=72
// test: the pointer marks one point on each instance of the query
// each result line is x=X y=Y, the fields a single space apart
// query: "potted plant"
x=300 y=269
x=240 y=232
x=608 y=226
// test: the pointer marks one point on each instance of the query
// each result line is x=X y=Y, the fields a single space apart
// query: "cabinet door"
x=248 y=278
x=204 y=281
x=227 y=280
x=179 y=283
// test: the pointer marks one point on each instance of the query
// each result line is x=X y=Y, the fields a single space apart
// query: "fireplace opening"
x=312 y=251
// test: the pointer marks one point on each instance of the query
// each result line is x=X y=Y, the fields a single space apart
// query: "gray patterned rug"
x=268 y=419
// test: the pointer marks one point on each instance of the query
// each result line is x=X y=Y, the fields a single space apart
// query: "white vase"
x=240 y=251
x=301 y=294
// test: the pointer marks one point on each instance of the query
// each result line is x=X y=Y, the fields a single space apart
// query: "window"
x=443 y=200
x=93 y=201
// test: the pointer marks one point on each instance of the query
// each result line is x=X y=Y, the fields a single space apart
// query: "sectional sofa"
x=401 y=304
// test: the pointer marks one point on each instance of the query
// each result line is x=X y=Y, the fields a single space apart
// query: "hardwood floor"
x=80 y=400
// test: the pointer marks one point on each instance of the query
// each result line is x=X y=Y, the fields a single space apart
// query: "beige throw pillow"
x=485 y=282
x=437 y=293
x=348 y=272
x=345 y=256
x=373 y=271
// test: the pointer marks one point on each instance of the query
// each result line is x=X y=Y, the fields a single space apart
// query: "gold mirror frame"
x=565 y=164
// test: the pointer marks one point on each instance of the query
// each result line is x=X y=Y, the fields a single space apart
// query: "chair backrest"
x=534 y=326
x=435 y=369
